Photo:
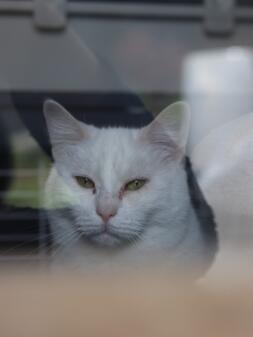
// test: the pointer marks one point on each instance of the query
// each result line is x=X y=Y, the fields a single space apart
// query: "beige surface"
x=63 y=306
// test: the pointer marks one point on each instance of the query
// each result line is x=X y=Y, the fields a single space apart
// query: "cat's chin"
x=105 y=240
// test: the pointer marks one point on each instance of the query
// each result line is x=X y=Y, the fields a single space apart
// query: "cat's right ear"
x=63 y=128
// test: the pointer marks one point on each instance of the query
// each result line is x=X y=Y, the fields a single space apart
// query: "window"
x=114 y=63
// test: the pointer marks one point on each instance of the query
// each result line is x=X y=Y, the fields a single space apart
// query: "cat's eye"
x=85 y=182
x=135 y=184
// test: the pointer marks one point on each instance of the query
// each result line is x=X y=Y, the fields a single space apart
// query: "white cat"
x=120 y=197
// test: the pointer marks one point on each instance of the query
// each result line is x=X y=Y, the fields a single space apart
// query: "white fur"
x=155 y=223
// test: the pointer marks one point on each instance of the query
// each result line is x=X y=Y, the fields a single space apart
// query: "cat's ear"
x=170 y=128
x=62 y=126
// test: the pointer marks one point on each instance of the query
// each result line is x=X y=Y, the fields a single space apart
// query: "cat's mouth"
x=105 y=239
x=108 y=238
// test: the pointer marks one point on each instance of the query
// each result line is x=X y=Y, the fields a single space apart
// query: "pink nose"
x=106 y=215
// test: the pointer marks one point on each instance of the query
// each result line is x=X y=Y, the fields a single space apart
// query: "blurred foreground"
x=62 y=306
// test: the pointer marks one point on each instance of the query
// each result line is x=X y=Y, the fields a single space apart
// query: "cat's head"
x=119 y=181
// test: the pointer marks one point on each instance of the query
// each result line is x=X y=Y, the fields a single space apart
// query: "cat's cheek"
x=133 y=200
x=86 y=198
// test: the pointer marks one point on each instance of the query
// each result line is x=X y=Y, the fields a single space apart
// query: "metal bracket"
x=50 y=14
x=219 y=16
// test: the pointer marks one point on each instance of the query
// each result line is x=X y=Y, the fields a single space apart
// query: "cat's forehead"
x=115 y=143
x=114 y=155
x=116 y=148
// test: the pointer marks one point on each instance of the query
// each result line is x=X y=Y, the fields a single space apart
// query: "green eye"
x=85 y=182
x=135 y=184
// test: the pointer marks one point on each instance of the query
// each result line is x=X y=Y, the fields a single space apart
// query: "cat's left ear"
x=170 y=128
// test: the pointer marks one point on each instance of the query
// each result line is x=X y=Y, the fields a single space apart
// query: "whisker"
x=58 y=248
